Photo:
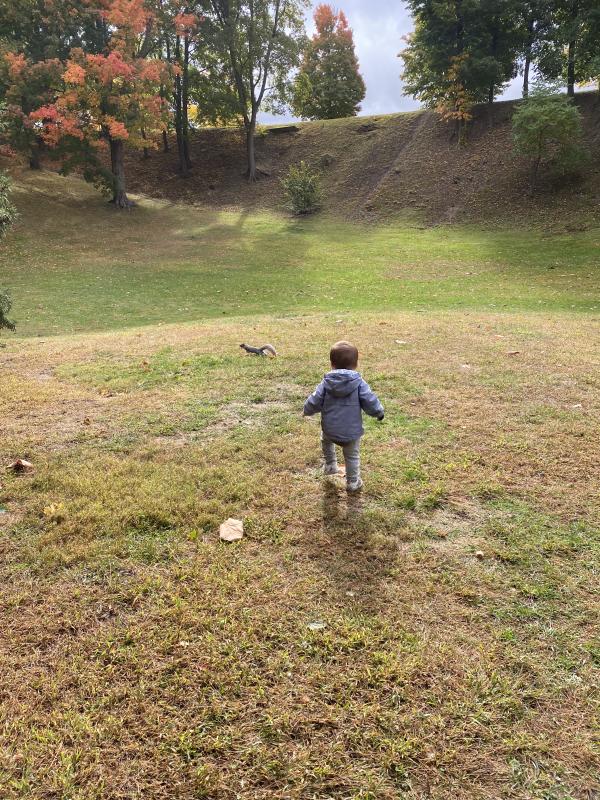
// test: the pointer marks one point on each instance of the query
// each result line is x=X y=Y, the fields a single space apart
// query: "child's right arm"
x=314 y=403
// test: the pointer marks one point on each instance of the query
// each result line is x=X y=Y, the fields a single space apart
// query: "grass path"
x=459 y=595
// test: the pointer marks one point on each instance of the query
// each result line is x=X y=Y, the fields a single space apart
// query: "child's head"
x=343 y=355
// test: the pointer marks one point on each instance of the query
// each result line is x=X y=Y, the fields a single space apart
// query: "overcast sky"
x=379 y=26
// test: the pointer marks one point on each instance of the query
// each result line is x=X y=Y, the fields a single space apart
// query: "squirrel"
x=260 y=351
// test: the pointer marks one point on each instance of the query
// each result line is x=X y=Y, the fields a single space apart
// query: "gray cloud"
x=379 y=27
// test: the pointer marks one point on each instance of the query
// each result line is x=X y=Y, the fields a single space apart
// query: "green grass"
x=456 y=653
x=164 y=264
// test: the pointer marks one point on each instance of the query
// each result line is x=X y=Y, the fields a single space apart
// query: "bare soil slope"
x=380 y=167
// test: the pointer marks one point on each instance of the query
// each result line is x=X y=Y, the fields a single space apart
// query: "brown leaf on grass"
x=232 y=530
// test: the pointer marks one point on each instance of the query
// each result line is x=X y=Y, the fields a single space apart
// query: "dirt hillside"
x=382 y=167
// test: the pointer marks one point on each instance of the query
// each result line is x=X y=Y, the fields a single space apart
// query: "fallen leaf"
x=232 y=530
x=316 y=626
x=55 y=512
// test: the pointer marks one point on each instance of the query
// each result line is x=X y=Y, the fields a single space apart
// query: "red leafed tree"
x=329 y=84
x=108 y=98
x=29 y=85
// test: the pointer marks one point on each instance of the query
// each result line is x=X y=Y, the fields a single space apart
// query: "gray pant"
x=351 y=456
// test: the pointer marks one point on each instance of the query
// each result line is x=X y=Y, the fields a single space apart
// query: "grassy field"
x=458 y=648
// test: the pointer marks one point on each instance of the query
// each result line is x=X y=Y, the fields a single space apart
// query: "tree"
x=260 y=40
x=303 y=190
x=329 y=85
x=461 y=52
x=107 y=98
x=535 y=22
x=547 y=131
x=28 y=85
x=571 y=52
x=8 y=212
x=180 y=27
x=5 y=307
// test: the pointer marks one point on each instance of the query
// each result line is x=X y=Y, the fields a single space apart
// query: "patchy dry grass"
x=457 y=651
x=141 y=658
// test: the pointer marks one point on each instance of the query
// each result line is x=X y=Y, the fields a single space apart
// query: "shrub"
x=302 y=186
x=547 y=132
x=5 y=307
x=8 y=212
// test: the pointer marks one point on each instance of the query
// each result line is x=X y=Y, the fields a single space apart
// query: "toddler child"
x=340 y=398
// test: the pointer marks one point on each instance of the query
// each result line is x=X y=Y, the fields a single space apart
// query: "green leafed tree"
x=571 y=51
x=462 y=52
x=260 y=41
x=329 y=84
x=547 y=133
x=303 y=190
x=536 y=22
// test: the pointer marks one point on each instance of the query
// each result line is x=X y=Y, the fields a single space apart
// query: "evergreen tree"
x=329 y=84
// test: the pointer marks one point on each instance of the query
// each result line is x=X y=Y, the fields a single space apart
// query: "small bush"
x=547 y=132
x=302 y=186
x=5 y=307
x=8 y=212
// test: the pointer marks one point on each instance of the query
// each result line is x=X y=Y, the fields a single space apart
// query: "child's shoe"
x=353 y=487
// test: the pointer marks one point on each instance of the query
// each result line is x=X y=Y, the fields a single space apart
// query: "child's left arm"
x=369 y=402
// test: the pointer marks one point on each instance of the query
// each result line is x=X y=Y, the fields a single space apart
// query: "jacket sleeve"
x=369 y=402
x=314 y=403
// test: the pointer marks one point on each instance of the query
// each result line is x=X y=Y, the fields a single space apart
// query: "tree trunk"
x=526 y=71
x=35 y=155
x=490 y=106
x=185 y=124
x=528 y=50
x=178 y=103
x=120 y=198
x=571 y=69
x=146 y=151
x=250 y=149
x=533 y=175
x=165 y=139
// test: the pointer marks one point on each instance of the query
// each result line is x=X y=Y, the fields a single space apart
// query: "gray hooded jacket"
x=341 y=397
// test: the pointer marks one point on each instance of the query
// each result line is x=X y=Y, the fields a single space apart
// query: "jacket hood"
x=342 y=382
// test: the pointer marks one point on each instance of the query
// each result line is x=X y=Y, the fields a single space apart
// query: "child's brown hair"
x=343 y=355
